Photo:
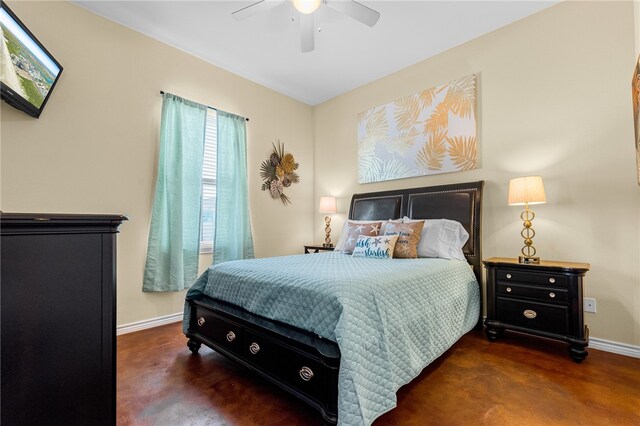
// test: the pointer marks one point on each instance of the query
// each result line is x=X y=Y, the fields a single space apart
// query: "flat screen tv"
x=28 y=72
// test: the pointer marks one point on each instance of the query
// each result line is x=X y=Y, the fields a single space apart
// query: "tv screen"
x=28 y=72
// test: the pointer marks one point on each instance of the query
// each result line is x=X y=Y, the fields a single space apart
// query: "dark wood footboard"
x=303 y=364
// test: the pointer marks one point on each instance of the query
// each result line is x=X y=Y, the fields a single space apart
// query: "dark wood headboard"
x=461 y=202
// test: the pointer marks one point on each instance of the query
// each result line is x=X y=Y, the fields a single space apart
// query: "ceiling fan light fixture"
x=306 y=6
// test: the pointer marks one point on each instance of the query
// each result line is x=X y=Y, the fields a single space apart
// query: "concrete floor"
x=518 y=380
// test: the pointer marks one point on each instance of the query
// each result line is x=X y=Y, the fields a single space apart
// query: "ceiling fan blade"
x=307 y=32
x=357 y=11
x=254 y=8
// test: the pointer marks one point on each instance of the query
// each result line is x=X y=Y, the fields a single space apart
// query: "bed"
x=340 y=350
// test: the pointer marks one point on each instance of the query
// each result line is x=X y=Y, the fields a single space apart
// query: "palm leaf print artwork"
x=406 y=112
x=431 y=131
x=461 y=96
x=426 y=97
x=402 y=142
x=432 y=154
x=439 y=119
x=376 y=128
x=463 y=152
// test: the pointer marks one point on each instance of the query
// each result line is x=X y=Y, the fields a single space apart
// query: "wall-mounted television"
x=28 y=72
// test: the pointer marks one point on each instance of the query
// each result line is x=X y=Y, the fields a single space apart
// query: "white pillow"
x=442 y=238
x=345 y=230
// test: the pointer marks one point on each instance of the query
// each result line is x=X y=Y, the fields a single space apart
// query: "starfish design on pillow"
x=359 y=228
x=387 y=241
x=375 y=229
x=376 y=241
x=350 y=240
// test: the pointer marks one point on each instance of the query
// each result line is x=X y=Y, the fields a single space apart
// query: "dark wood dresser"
x=58 y=301
x=543 y=299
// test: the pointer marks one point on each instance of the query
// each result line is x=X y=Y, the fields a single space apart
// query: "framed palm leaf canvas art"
x=635 y=94
x=429 y=132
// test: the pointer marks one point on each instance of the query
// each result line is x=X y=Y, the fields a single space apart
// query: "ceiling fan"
x=351 y=8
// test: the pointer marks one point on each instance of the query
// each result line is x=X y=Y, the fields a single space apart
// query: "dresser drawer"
x=543 y=294
x=514 y=275
x=538 y=316
x=225 y=333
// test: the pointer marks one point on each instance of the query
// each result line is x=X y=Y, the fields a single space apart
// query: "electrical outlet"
x=590 y=304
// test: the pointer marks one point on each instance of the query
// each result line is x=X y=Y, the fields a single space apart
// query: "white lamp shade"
x=327 y=205
x=306 y=6
x=526 y=190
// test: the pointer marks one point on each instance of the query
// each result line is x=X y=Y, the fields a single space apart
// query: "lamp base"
x=529 y=259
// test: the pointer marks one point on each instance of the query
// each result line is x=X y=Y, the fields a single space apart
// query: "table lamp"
x=328 y=206
x=524 y=191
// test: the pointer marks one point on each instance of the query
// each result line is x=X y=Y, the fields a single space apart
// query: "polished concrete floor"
x=518 y=380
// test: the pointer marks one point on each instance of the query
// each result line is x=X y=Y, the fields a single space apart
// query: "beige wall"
x=95 y=147
x=636 y=5
x=554 y=100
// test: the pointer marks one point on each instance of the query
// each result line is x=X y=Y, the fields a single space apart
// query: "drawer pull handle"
x=201 y=321
x=254 y=348
x=509 y=276
x=530 y=314
x=508 y=289
x=306 y=374
x=231 y=336
x=552 y=295
x=552 y=280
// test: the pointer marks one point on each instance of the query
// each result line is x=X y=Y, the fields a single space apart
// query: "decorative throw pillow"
x=343 y=235
x=354 y=230
x=408 y=238
x=380 y=247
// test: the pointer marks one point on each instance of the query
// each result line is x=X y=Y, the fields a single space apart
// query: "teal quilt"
x=390 y=317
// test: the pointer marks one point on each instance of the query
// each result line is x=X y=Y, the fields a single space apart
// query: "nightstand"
x=543 y=299
x=317 y=248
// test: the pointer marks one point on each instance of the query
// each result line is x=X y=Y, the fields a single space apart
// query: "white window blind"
x=208 y=221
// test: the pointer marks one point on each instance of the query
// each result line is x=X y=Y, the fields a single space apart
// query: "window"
x=208 y=220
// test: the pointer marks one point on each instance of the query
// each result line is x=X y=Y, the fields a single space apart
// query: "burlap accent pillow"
x=408 y=238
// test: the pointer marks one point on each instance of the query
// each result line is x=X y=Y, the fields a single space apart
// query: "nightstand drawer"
x=514 y=275
x=539 y=316
x=543 y=294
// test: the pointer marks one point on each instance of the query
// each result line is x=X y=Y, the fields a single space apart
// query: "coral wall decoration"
x=429 y=132
x=279 y=172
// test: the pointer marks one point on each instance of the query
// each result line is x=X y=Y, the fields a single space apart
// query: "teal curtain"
x=233 y=226
x=173 y=249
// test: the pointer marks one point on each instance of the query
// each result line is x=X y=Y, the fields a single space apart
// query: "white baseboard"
x=608 y=346
x=149 y=323
x=614 y=347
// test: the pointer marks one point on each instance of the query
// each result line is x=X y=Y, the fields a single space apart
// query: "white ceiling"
x=265 y=48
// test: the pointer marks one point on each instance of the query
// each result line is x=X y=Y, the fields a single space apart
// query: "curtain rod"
x=162 y=93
